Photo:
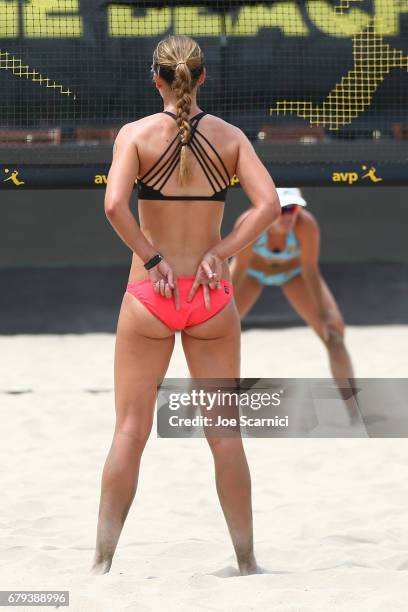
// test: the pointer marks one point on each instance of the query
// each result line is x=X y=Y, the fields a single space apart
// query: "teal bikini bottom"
x=274 y=279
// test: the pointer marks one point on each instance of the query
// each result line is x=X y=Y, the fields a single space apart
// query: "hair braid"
x=182 y=88
x=182 y=61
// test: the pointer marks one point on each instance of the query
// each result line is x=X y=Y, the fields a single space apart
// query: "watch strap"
x=153 y=261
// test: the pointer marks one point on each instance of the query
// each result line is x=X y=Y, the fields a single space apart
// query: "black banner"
x=304 y=175
x=87 y=62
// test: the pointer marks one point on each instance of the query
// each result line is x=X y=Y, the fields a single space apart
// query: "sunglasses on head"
x=288 y=210
x=169 y=71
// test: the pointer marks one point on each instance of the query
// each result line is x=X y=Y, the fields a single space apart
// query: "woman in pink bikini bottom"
x=183 y=160
x=189 y=313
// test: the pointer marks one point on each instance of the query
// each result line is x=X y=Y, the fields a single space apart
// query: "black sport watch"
x=153 y=261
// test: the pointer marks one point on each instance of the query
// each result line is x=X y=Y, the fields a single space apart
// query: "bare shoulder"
x=143 y=124
x=306 y=225
x=307 y=219
x=220 y=121
x=224 y=127
x=138 y=128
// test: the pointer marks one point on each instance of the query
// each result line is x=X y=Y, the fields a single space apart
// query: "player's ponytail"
x=180 y=62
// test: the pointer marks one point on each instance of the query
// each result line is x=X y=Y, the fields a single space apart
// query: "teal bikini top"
x=292 y=248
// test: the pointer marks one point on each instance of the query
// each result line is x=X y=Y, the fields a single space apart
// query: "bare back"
x=182 y=230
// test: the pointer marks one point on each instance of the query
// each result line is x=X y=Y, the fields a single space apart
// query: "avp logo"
x=353 y=177
x=371 y=174
x=13 y=177
x=102 y=179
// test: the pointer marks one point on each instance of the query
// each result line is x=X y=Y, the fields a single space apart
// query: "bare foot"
x=102 y=567
x=250 y=569
x=249 y=566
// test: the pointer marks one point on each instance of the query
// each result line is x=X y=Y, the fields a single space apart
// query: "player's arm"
x=120 y=184
x=261 y=191
x=241 y=261
x=308 y=235
x=240 y=264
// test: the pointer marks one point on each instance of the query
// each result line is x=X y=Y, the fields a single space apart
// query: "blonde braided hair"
x=182 y=61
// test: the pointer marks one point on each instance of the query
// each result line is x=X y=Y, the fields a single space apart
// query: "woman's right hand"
x=209 y=273
x=164 y=282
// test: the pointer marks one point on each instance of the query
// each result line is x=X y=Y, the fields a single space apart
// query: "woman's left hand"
x=208 y=275
x=164 y=281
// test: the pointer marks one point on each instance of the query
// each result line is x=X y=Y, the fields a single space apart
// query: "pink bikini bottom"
x=190 y=313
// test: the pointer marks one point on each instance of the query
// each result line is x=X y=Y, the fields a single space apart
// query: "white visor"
x=290 y=195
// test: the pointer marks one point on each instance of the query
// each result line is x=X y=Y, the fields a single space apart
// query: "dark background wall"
x=69 y=227
x=63 y=269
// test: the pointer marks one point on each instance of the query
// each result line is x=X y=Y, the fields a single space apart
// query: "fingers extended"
x=192 y=291
x=162 y=287
x=168 y=291
x=176 y=296
x=207 y=269
x=207 y=301
x=170 y=279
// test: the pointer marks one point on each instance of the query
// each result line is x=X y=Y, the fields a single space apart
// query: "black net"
x=319 y=87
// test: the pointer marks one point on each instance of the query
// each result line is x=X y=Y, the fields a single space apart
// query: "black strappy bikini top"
x=151 y=184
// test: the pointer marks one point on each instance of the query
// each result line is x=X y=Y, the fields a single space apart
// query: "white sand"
x=330 y=515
